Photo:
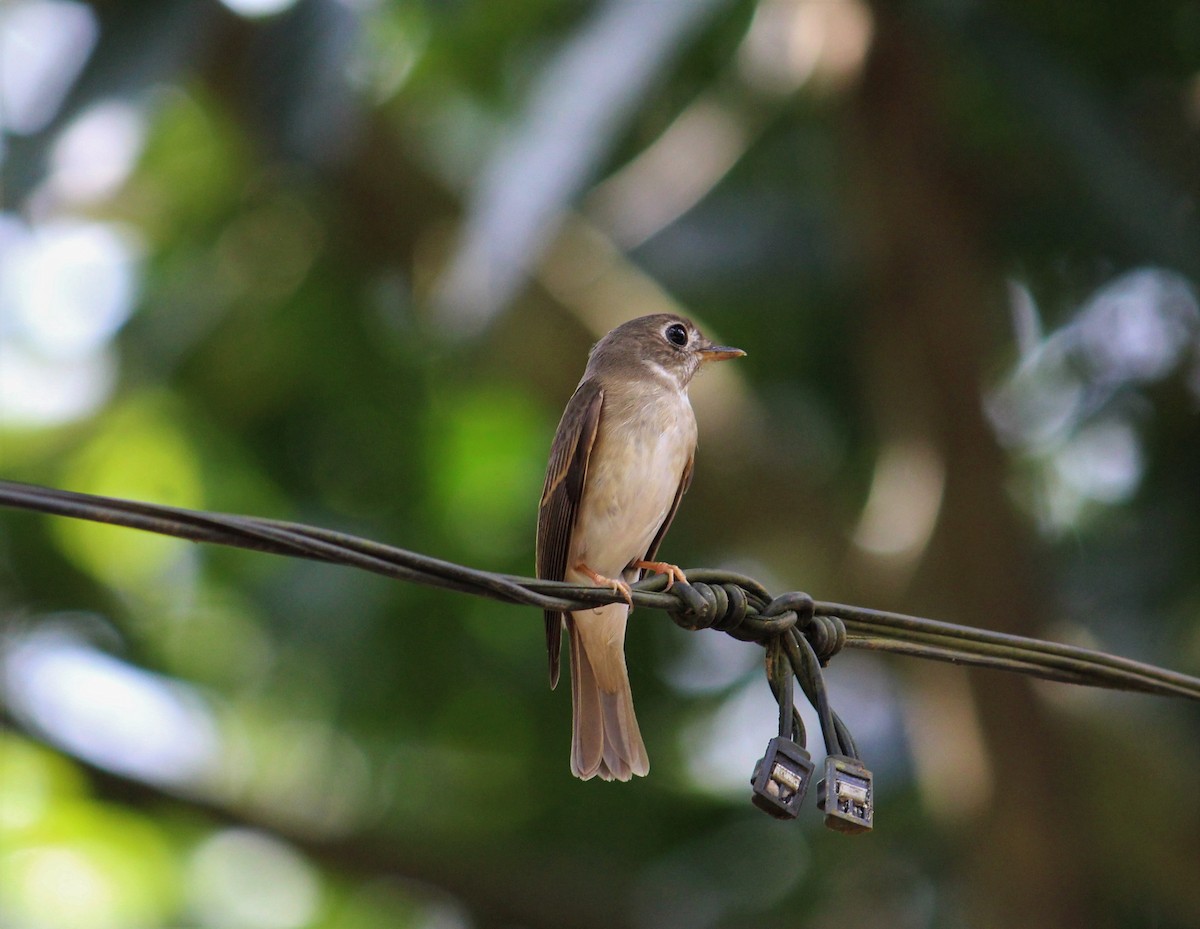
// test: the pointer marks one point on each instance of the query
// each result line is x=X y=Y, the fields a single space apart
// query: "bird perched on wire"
x=620 y=462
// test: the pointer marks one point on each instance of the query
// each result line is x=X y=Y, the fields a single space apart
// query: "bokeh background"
x=340 y=261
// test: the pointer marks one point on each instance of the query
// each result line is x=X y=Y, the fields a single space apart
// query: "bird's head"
x=659 y=347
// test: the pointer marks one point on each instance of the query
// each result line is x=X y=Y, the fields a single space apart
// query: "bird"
x=620 y=462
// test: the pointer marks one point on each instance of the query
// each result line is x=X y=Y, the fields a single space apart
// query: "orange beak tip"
x=721 y=353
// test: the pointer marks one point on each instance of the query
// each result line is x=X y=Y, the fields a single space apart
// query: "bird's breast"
x=634 y=472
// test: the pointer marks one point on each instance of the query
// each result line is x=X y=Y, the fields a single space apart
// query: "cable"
x=800 y=634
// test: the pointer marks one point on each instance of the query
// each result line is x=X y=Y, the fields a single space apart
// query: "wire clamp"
x=846 y=795
x=781 y=778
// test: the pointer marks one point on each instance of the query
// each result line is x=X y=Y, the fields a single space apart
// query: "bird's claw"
x=616 y=584
x=673 y=572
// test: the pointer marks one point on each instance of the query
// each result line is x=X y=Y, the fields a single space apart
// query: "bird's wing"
x=685 y=481
x=561 y=496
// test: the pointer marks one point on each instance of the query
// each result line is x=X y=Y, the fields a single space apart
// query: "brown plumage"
x=620 y=462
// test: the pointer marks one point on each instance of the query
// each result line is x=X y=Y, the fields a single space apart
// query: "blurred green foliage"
x=958 y=241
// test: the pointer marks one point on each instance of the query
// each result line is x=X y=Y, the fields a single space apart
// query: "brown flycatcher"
x=620 y=462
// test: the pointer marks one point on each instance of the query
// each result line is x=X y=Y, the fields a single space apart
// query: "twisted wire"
x=722 y=600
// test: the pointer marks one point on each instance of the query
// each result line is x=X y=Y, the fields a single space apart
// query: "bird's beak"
x=712 y=352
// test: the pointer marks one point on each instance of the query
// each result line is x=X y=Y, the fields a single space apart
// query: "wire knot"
x=747 y=613
x=826 y=635
x=795 y=602
x=723 y=607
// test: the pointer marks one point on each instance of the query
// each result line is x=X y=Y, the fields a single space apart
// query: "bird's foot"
x=673 y=572
x=617 y=585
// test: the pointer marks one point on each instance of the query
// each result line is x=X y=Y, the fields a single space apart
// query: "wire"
x=730 y=602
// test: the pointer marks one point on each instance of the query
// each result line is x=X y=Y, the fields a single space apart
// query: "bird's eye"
x=676 y=335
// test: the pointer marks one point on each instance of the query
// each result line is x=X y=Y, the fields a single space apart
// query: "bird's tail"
x=606 y=741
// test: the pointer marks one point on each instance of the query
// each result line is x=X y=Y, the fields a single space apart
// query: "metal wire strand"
x=730 y=602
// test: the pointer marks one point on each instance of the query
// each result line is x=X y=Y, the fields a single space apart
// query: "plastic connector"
x=781 y=778
x=846 y=795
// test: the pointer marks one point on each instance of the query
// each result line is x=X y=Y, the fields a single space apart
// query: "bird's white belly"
x=633 y=475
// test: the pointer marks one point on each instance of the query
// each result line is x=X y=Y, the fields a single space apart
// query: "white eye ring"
x=676 y=334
